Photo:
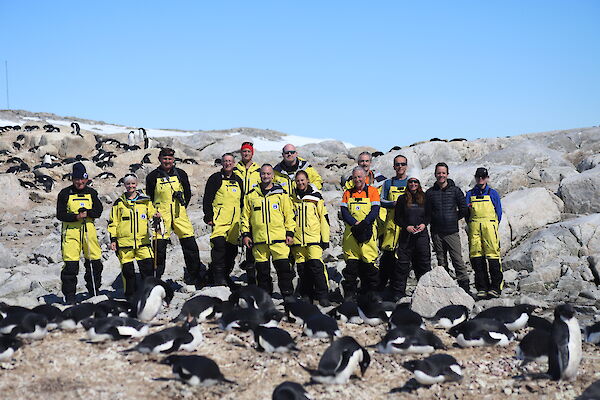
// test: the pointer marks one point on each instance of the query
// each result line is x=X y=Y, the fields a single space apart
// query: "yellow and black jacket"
x=160 y=186
x=250 y=176
x=70 y=201
x=222 y=202
x=285 y=175
x=312 y=222
x=267 y=216
x=128 y=223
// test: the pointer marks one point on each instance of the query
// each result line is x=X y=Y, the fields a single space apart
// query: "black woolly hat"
x=79 y=171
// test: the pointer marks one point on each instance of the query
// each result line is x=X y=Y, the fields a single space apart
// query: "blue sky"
x=378 y=73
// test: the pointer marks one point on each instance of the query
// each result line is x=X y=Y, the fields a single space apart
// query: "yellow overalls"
x=173 y=213
x=81 y=235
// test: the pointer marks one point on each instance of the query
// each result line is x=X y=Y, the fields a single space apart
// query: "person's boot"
x=464 y=285
x=218 y=275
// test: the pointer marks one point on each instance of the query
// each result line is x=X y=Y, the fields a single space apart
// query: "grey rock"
x=435 y=290
x=7 y=260
x=581 y=193
x=222 y=292
x=49 y=249
x=589 y=162
x=510 y=275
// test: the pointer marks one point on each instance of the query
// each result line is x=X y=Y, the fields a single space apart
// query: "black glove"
x=324 y=245
x=362 y=232
x=179 y=197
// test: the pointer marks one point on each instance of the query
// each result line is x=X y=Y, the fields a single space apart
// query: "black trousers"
x=488 y=274
x=222 y=256
x=357 y=269
x=388 y=268
x=68 y=277
x=130 y=285
x=285 y=274
x=413 y=251
x=194 y=272
x=312 y=281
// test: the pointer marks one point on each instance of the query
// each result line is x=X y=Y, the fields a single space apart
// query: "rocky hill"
x=549 y=183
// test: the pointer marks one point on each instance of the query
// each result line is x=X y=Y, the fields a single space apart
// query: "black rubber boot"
x=68 y=277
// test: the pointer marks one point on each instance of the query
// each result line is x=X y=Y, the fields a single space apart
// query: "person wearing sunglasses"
x=391 y=190
x=413 y=242
x=222 y=204
x=130 y=236
x=485 y=213
x=285 y=171
x=445 y=206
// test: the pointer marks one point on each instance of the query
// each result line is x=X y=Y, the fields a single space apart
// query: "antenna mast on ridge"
x=6 y=70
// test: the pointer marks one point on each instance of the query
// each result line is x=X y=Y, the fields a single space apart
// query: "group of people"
x=278 y=214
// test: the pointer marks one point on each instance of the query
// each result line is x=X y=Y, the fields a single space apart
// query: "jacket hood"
x=142 y=197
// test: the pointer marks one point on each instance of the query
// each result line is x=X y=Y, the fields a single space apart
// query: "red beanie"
x=248 y=146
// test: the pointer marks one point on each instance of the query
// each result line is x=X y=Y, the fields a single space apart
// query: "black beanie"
x=79 y=171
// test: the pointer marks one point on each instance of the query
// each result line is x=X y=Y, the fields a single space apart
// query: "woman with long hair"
x=413 y=245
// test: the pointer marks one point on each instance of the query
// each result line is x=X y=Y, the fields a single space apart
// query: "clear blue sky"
x=381 y=73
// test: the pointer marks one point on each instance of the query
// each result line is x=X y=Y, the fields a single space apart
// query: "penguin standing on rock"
x=565 y=345
x=196 y=370
x=339 y=361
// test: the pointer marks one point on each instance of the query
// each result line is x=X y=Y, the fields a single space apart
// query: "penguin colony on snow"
x=251 y=309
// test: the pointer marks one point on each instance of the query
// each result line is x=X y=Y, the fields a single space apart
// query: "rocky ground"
x=550 y=238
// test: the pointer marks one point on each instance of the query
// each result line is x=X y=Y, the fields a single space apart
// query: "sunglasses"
x=417 y=182
x=400 y=164
x=289 y=152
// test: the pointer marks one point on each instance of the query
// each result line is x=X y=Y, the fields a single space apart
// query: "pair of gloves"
x=362 y=232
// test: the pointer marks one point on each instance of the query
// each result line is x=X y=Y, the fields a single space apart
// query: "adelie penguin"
x=436 y=368
x=592 y=333
x=565 y=344
x=481 y=332
x=114 y=328
x=187 y=337
x=321 y=326
x=592 y=392
x=404 y=316
x=347 y=312
x=241 y=318
x=299 y=311
x=272 y=340
x=409 y=339
x=8 y=345
x=290 y=391
x=514 y=318
x=28 y=325
x=372 y=311
x=534 y=347
x=339 y=361
x=196 y=370
x=200 y=307
x=252 y=297
x=73 y=316
x=151 y=297
x=53 y=314
x=449 y=316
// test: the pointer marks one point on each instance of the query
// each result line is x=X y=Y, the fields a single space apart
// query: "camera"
x=178 y=195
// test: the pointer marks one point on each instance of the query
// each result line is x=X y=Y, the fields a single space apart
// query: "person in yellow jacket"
x=170 y=191
x=267 y=227
x=249 y=173
x=222 y=205
x=485 y=213
x=311 y=237
x=128 y=227
x=359 y=208
x=391 y=190
x=285 y=171
x=77 y=207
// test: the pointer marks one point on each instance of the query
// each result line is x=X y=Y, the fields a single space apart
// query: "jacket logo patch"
x=357 y=208
x=143 y=216
x=234 y=190
x=82 y=204
x=275 y=206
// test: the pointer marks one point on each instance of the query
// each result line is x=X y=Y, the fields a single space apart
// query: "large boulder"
x=581 y=192
x=13 y=196
x=563 y=242
x=589 y=162
x=436 y=289
x=520 y=217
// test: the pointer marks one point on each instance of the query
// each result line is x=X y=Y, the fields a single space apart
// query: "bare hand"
x=113 y=246
x=157 y=215
x=210 y=223
x=289 y=240
x=420 y=227
x=82 y=215
x=247 y=242
x=411 y=229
